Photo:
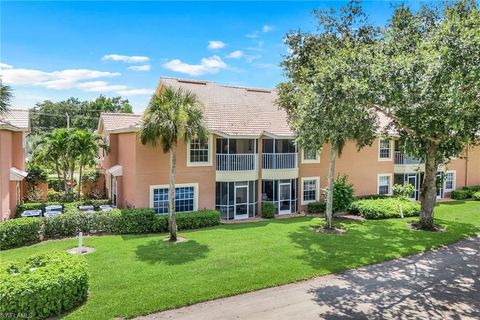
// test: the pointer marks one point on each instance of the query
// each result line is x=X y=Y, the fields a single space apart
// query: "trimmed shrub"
x=316 y=207
x=136 y=221
x=268 y=210
x=19 y=232
x=197 y=220
x=385 y=208
x=476 y=196
x=44 y=286
x=461 y=194
x=342 y=194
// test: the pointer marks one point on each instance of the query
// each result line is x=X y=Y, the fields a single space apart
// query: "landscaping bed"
x=132 y=275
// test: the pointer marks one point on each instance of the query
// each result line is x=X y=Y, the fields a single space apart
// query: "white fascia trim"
x=210 y=155
x=454 y=181
x=317 y=192
x=392 y=146
x=303 y=161
x=230 y=136
x=123 y=130
x=177 y=185
x=274 y=136
x=390 y=182
x=17 y=174
x=115 y=171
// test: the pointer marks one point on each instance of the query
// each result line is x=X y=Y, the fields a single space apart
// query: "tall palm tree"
x=6 y=96
x=172 y=115
x=87 y=144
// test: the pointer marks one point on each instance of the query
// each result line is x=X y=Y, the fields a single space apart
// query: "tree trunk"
x=59 y=176
x=80 y=180
x=72 y=177
x=172 y=223
x=331 y=179
x=428 y=194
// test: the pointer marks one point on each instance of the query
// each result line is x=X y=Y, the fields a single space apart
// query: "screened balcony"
x=400 y=158
x=236 y=154
x=279 y=154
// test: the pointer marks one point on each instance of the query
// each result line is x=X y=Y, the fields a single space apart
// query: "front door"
x=285 y=195
x=440 y=187
x=412 y=179
x=241 y=201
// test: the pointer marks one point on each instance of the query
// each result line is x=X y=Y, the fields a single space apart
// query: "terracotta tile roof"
x=231 y=110
x=15 y=119
x=116 y=121
x=237 y=111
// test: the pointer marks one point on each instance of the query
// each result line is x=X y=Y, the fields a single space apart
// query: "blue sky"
x=54 y=50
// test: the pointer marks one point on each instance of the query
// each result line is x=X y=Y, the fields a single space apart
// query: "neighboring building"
x=250 y=157
x=13 y=130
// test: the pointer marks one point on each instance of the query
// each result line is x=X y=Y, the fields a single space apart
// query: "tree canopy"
x=48 y=115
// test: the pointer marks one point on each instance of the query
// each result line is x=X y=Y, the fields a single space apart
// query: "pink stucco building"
x=13 y=130
x=250 y=158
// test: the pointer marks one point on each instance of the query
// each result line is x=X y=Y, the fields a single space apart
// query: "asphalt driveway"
x=439 y=284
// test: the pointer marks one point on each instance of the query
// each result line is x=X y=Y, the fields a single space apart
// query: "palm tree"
x=87 y=145
x=172 y=115
x=6 y=96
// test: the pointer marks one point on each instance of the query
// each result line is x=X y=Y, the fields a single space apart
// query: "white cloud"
x=267 y=28
x=135 y=92
x=235 y=54
x=145 y=67
x=5 y=66
x=67 y=79
x=207 y=65
x=62 y=79
x=253 y=35
x=215 y=44
x=126 y=59
x=251 y=58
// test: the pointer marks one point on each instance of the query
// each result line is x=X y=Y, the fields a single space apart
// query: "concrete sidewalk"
x=439 y=284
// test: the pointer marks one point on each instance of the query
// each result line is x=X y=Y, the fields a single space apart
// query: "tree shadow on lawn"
x=159 y=251
x=368 y=242
x=440 y=284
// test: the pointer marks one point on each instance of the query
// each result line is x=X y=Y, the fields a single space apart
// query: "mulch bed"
x=334 y=230
x=179 y=240
x=437 y=227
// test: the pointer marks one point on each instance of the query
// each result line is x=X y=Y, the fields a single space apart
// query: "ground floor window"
x=184 y=199
x=282 y=193
x=449 y=181
x=384 y=181
x=237 y=199
x=310 y=190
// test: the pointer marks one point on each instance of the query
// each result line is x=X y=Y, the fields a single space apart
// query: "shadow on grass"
x=441 y=284
x=159 y=251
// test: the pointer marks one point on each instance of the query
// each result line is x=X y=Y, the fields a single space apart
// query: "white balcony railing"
x=237 y=162
x=400 y=158
x=280 y=160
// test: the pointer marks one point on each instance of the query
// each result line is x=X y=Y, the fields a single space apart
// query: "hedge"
x=373 y=197
x=466 y=192
x=385 y=208
x=18 y=232
x=44 y=286
x=476 y=196
x=316 y=207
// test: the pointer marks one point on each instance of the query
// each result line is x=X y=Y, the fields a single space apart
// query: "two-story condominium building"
x=250 y=158
x=13 y=130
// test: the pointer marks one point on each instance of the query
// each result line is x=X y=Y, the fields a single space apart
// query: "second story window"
x=385 y=150
x=310 y=156
x=199 y=151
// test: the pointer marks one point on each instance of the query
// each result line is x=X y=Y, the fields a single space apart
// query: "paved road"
x=440 y=284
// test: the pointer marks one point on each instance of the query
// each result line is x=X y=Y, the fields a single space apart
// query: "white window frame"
x=317 y=191
x=201 y=164
x=390 y=158
x=454 y=184
x=316 y=160
x=178 y=185
x=390 y=181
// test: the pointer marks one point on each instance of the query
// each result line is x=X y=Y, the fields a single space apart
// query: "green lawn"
x=138 y=274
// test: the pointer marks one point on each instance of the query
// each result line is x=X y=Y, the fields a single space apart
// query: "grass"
x=139 y=274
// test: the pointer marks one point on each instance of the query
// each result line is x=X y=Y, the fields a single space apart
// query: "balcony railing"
x=237 y=162
x=400 y=158
x=279 y=160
